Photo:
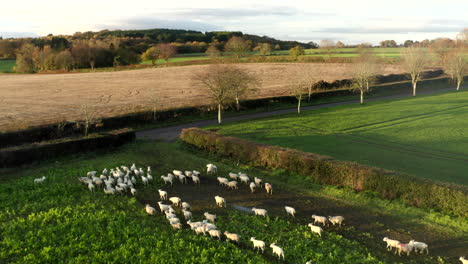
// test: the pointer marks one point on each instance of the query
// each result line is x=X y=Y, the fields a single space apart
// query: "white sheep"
x=149 y=177
x=170 y=209
x=91 y=174
x=200 y=230
x=210 y=217
x=290 y=210
x=220 y=201
x=463 y=260
x=194 y=225
x=405 y=248
x=268 y=188
x=244 y=179
x=232 y=185
x=148 y=170
x=91 y=186
x=259 y=244
x=150 y=210
x=233 y=176
x=170 y=215
x=177 y=172
x=215 y=233
x=232 y=237
x=211 y=169
x=144 y=180
x=176 y=201
x=261 y=212
x=209 y=226
x=222 y=181
x=174 y=221
x=320 y=219
x=196 y=173
x=104 y=171
x=176 y=226
x=277 y=250
x=252 y=187
x=391 y=243
x=185 y=206
x=167 y=179
x=133 y=191
x=133 y=167
x=315 y=229
x=119 y=189
x=195 y=179
x=188 y=174
x=187 y=214
x=163 y=207
x=40 y=180
x=421 y=246
x=109 y=190
x=336 y=220
x=258 y=181
x=162 y=194
x=182 y=179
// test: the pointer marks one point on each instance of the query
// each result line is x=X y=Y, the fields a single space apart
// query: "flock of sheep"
x=124 y=179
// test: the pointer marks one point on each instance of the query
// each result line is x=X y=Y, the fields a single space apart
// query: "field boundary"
x=387 y=184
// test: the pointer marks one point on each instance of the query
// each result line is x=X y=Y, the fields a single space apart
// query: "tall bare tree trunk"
x=299 y=106
x=310 y=93
x=219 y=114
x=367 y=85
x=237 y=103
x=362 y=97
x=458 y=84
x=86 y=127
x=414 y=88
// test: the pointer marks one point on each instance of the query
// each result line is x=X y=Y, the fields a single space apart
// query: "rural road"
x=171 y=133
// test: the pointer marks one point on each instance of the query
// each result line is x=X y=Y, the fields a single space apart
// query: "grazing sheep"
x=309 y=262
x=162 y=194
x=261 y=212
x=268 y=188
x=104 y=171
x=174 y=221
x=244 y=179
x=404 y=248
x=163 y=207
x=277 y=250
x=177 y=172
x=170 y=215
x=259 y=244
x=210 y=217
x=185 y=206
x=133 y=191
x=188 y=174
x=148 y=170
x=419 y=245
x=194 y=225
x=119 y=189
x=187 y=214
x=252 y=187
x=176 y=226
x=200 y=230
x=232 y=237
x=170 y=209
x=167 y=179
x=222 y=181
x=321 y=219
x=258 y=181
x=196 y=173
x=109 y=190
x=391 y=243
x=40 y=180
x=233 y=176
x=133 y=167
x=463 y=260
x=220 y=201
x=336 y=220
x=209 y=226
x=182 y=179
x=91 y=186
x=195 y=179
x=149 y=177
x=150 y=210
x=290 y=210
x=211 y=169
x=315 y=229
x=232 y=185
x=133 y=180
x=176 y=201
x=215 y=233
x=144 y=180
x=91 y=174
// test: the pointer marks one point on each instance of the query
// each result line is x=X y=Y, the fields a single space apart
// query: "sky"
x=350 y=21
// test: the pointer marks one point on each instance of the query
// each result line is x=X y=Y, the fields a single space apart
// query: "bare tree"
x=310 y=78
x=298 y=89
x=167 y=51
x=441 y=47
x=238 y=46
x=415 y=59
x=154 y=102
x=88 y=116
x=456 y=66
x=213 y=51
x=224 y=81
x=328 y=45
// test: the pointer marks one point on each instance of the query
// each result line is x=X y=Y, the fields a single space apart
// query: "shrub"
x=326 y=170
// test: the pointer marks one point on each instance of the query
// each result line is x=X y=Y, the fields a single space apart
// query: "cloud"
x=6 y=35
x=150 y=22
x=390 y=30
x=236 y=12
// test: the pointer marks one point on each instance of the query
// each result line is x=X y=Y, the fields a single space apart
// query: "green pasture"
x=423 y=136
x=62 y=221
x=7 y=65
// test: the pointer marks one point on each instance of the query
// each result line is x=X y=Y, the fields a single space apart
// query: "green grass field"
x=7 y=65
x=423 y=136
x=61 y=220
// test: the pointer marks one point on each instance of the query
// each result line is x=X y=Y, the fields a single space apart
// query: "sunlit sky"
x=351 y=21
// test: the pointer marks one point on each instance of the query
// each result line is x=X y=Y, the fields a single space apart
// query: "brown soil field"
x=37 y=99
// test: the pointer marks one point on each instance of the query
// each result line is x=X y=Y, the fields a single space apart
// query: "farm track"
x=377 y=223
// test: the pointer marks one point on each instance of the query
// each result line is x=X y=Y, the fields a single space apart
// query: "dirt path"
x=171 y=133
x=359 y=222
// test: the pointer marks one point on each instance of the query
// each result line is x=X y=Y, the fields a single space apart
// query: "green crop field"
x=60 y=220
x=7 y=65
x=423 y=136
